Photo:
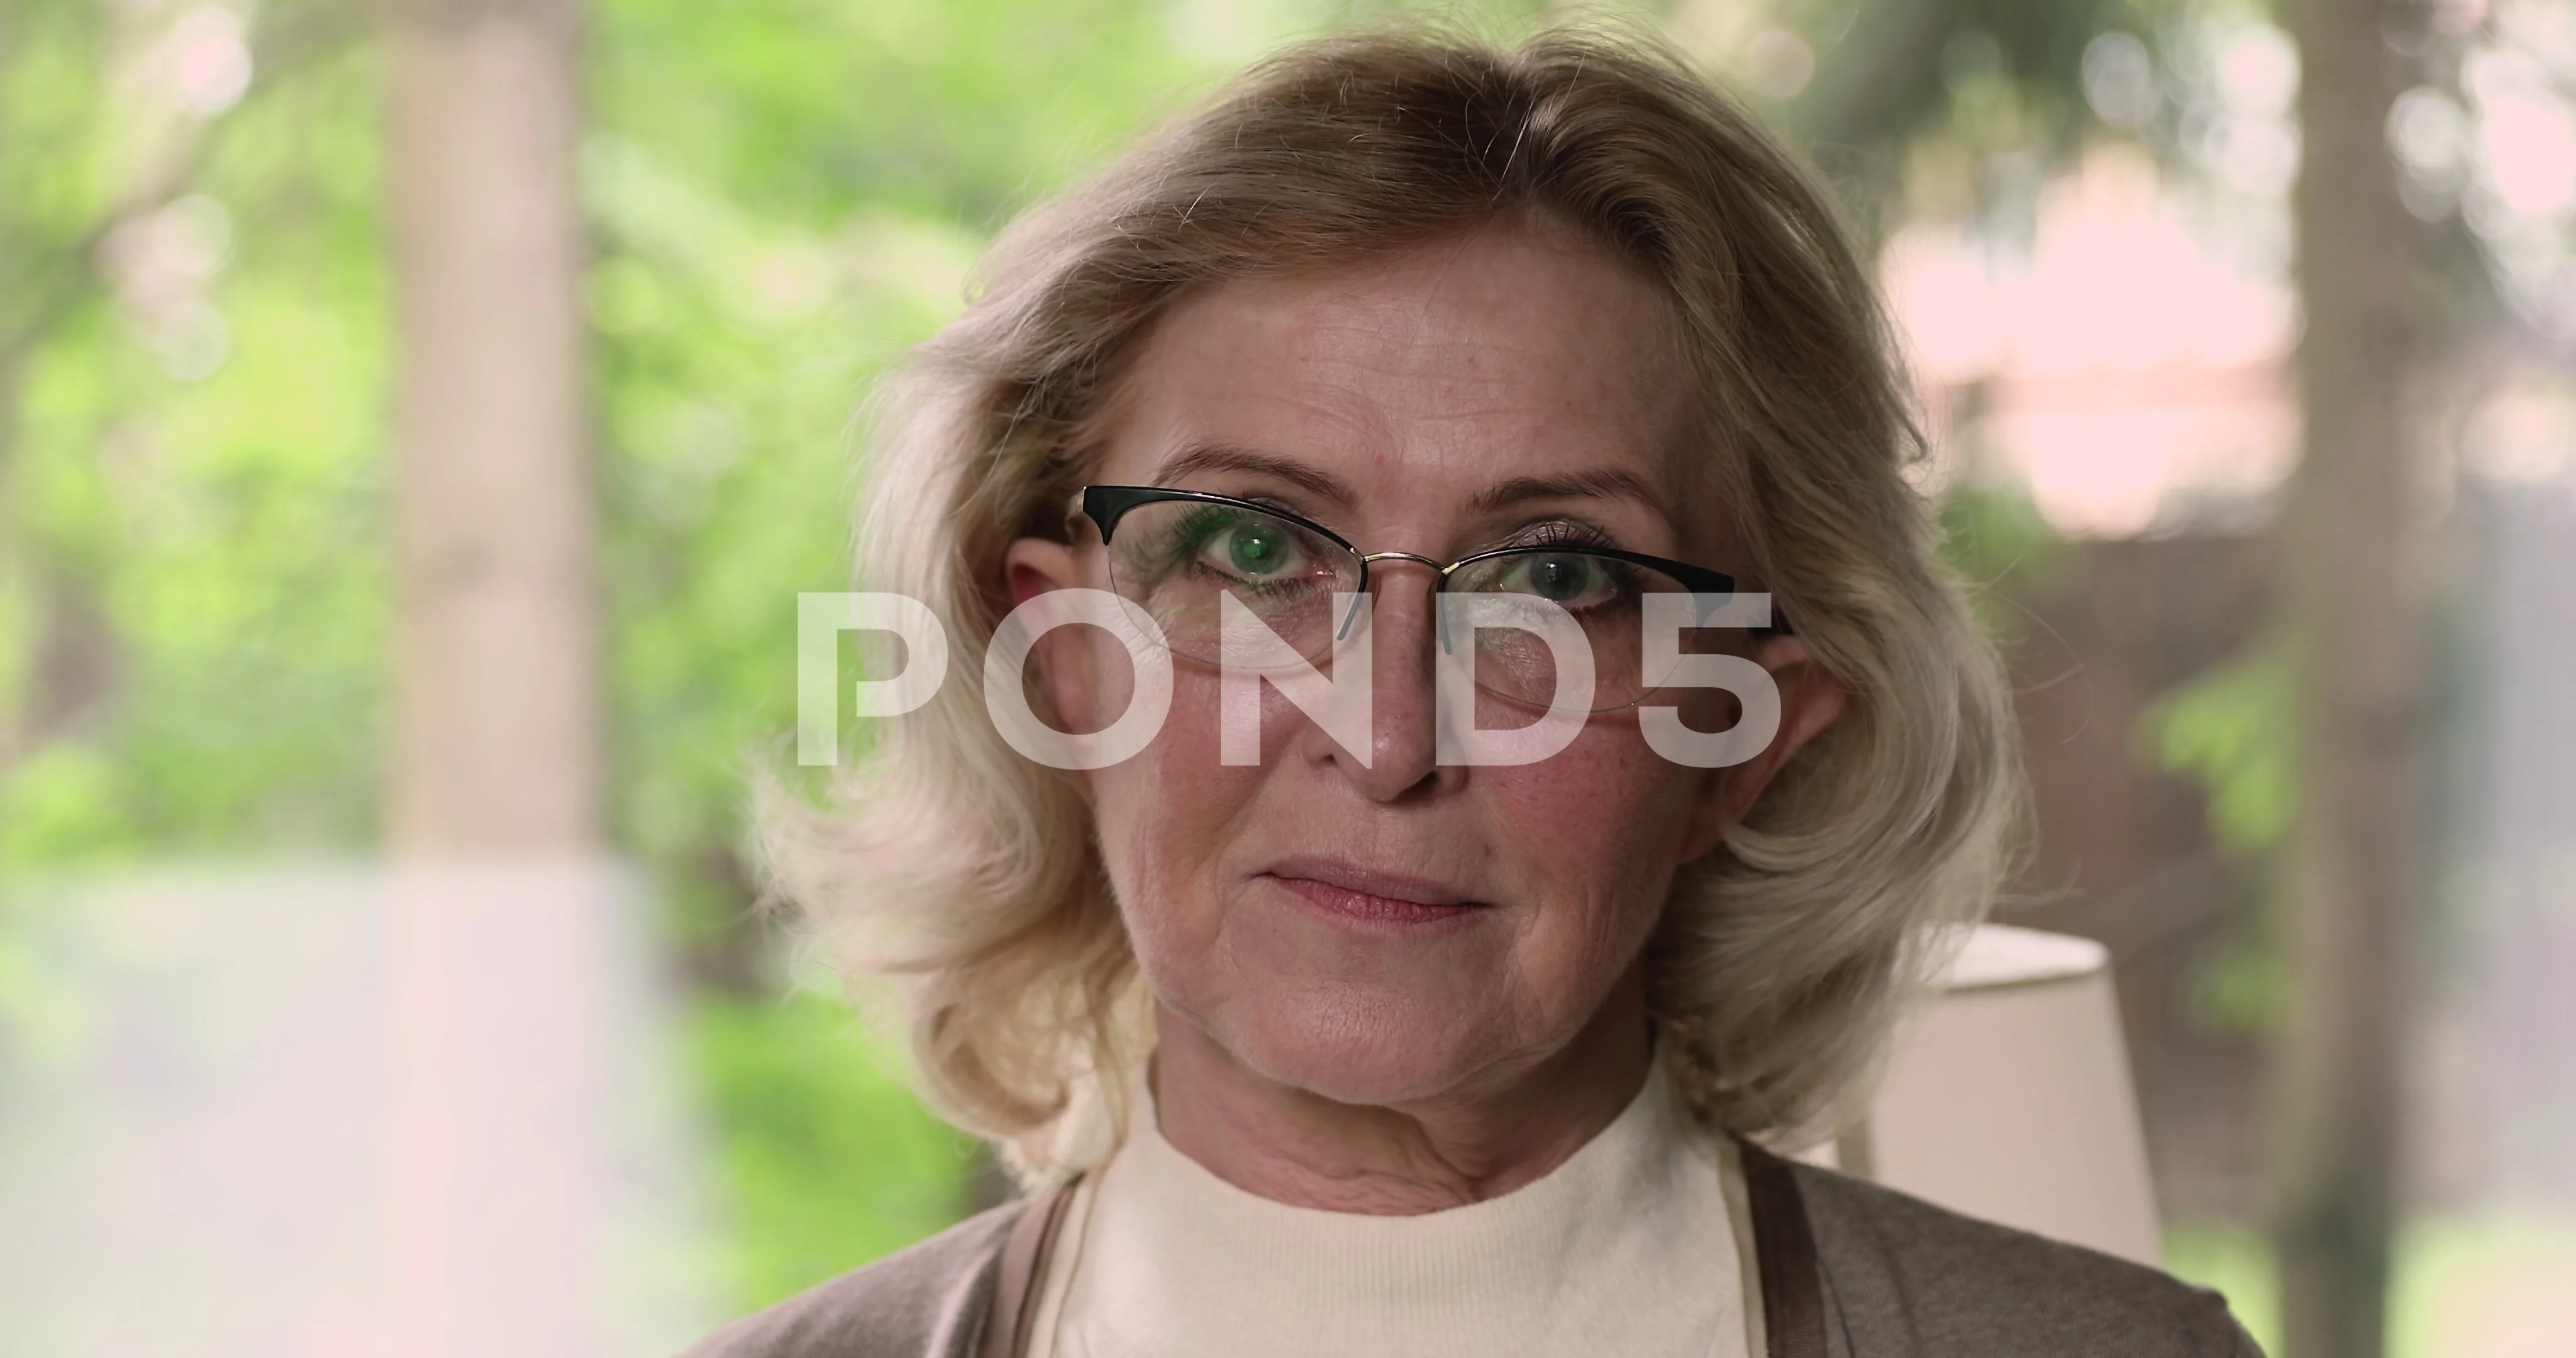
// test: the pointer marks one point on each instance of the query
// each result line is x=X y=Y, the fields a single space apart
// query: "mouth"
x=1371 y=895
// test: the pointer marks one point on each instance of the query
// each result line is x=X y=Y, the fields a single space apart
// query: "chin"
x=1358 y=1048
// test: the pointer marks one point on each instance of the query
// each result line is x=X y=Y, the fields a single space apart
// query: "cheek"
x=1165 y=818
x=1596 y=833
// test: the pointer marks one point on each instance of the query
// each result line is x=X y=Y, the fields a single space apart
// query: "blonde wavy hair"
x=944 y=859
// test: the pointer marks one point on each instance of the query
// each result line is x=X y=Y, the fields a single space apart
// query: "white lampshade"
x=2008 y=1098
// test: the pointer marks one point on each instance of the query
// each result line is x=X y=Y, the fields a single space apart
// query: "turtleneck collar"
x=1627 y=1247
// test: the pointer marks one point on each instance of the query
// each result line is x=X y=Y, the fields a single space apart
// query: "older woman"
x=1353 y=1043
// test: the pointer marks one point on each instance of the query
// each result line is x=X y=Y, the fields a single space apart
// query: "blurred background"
x=418 y=418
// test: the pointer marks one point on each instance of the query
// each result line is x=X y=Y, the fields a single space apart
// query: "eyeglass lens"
x=1178 y=558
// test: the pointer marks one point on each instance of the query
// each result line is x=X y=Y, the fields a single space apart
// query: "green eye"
x=1255 y=549
x=1252 y=550
x=1571 y=580
x=1559 y=577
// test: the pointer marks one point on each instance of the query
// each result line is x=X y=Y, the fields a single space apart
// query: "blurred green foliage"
x=2455 y=1277
x=827 y=1158
x=2228 y=731
x=193 y=569
x=2008 y=556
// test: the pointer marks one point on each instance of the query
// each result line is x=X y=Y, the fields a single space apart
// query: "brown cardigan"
x=1849 y=1270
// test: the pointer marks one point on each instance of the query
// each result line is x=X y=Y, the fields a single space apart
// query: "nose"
x=1403 y=646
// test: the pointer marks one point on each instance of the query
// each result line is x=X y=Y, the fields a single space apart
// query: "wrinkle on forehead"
x=1507 y=352
x=1444 y=315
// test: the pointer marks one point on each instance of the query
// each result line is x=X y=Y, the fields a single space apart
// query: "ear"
x=1032 y=566
x=1810 y=701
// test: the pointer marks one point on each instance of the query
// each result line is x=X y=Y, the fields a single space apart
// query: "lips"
x=1372 y=895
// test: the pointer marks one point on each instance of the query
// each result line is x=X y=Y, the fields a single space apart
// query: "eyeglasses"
x=1177 y=553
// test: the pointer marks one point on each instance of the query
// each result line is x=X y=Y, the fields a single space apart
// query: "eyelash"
x=1545 y=533
x=1560 y=533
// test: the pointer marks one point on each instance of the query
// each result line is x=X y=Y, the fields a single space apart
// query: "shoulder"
x=1904 y=1276
x=924 y=1302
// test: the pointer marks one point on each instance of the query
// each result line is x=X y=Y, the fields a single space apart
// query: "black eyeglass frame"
x=1106 y=505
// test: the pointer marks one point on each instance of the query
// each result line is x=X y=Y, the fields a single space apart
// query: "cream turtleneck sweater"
x=1636 y=1245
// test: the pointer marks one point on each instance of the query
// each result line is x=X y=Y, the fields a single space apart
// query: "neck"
x=1293 y=1146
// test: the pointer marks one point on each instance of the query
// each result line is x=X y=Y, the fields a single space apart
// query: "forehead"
x=1504 y=354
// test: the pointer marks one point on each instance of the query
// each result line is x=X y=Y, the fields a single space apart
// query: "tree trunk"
x=2353 y=537
x=497 y=748
x=494 y=990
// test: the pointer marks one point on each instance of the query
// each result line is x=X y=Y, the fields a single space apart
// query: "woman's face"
x=1397 y=931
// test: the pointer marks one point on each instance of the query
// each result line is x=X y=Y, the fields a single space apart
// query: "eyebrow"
x=1224 y=457
x=1603 y=483
x=1599 y=484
